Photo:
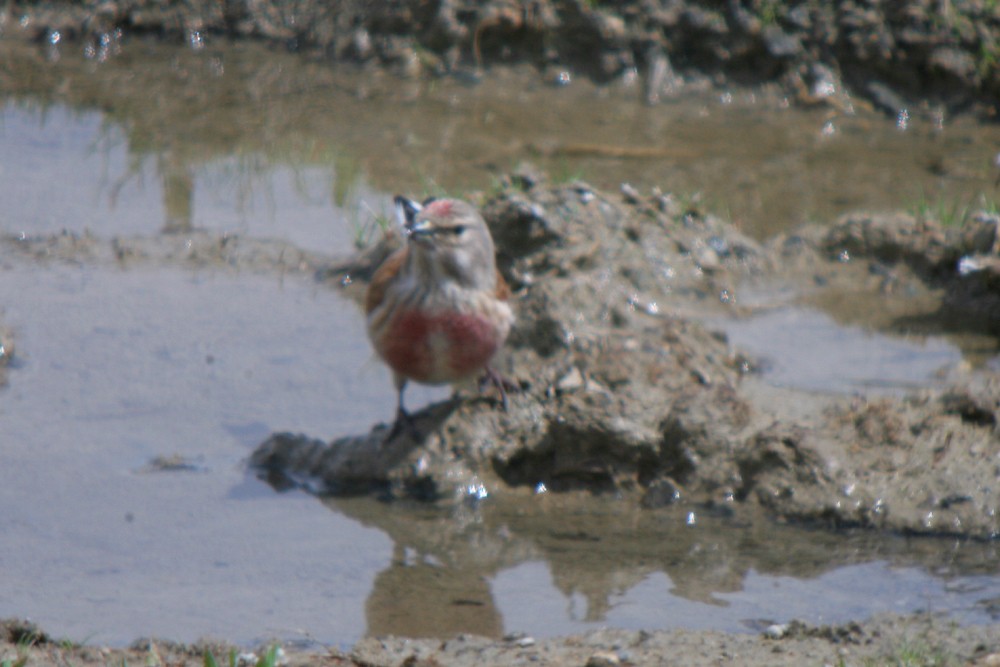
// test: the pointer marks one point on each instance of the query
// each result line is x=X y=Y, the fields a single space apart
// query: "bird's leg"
x=404 y=420
x=502 y=384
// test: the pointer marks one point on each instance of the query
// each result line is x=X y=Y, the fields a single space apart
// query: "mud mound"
x=622 y=393
x=604 y=373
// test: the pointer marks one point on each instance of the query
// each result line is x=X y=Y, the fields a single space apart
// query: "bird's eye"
x=458 y=230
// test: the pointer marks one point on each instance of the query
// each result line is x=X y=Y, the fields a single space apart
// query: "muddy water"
x=139 y=392
x=750 y=157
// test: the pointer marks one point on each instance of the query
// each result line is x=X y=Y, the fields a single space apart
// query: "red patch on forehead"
x=439 y=207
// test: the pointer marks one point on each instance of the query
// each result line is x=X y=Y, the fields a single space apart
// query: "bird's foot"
x=503 y=385
x=404 y=422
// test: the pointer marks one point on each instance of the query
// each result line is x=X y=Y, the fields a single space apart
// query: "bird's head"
x=450 y=239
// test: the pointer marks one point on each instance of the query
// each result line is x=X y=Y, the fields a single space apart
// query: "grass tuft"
x=368 y=226
x=952 y=211
x=270 y=659
x=911 y=654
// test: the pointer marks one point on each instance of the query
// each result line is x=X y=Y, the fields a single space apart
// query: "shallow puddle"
x=137 y=398
x=557 y=565
x=802 y=348
x=138 y=393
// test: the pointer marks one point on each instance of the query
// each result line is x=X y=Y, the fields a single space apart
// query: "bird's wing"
x=503 y=289
x=385 y=274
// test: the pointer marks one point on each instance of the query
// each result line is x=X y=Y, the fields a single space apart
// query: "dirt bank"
x=918 y=56
x=889 y=640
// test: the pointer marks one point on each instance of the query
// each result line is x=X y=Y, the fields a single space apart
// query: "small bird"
x=437 y=307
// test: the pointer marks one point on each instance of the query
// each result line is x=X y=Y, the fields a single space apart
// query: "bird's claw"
x=503 y=385
x=404 y=422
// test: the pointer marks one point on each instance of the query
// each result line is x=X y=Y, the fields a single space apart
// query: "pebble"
x=776 y=631
x=571 y=381
x=603 y=659
x=630 y=194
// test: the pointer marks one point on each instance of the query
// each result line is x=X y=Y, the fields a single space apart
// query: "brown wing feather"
x=386 y=273
x=503 y=289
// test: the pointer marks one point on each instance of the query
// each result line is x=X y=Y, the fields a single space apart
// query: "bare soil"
x=884 y=640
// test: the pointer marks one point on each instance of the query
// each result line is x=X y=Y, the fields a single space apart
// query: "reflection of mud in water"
x=447 y=566
x=425 y=600
x=764 y=166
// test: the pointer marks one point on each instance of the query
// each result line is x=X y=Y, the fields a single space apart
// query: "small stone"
x=707 y=258
x=701 y=376
x=360 y=47
x=955 y=62
x=248 y=658
x=519 y=639
x=780 y=44
x=603 y=659
x=572 y=381
x=776 y=631
x=981 y=235
x=885 y=98
x=661 y=79
x=526 y=176
x=661 y=493
x=630 y=194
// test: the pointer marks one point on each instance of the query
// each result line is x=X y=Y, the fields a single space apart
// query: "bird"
x=437 y=309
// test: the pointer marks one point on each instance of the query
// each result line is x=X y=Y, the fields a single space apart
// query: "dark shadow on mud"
x=352 y=465
x=952 y=320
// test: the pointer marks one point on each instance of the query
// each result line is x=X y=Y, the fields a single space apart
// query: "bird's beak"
x=406 y=211
x=421 y=231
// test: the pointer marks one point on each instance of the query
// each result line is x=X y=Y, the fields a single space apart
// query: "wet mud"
x=624 y=392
